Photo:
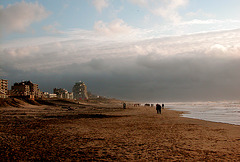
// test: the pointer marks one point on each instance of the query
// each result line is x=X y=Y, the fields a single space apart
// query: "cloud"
x=209 y=21
x=116 y=27
x=218 y=49
x=168 y=10
x=100 y=4
x=17 y=17
x=143 y=3
x=190 y=67
x=200 y=14
x=22 y=52
x=52 y=28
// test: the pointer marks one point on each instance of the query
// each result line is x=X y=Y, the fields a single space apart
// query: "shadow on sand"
x=79 y=116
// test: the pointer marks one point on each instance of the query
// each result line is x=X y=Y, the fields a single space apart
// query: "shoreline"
x=182 y=113
x=222 y=112
x=209 y=120
x=136 y=133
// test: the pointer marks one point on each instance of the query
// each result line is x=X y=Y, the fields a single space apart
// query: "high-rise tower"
x=3 y=88
x=80 y=91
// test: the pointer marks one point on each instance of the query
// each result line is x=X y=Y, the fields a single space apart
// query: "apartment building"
x=26 y=88
x=80 y=91
x=62 y=93
x=3 y=88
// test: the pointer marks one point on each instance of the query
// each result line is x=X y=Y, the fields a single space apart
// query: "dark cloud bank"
x=145 y=79
x=194 y=70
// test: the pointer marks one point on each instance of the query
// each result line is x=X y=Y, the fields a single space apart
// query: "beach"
x=103 y=131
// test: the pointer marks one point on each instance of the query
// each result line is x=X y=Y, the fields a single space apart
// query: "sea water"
x=224 y=112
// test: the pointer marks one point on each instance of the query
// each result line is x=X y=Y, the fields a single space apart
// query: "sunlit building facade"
x=26 y=88
x=62 y=93
x=80 y=91
x=3 y=88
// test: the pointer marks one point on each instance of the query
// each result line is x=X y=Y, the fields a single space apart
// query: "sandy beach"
x=104 y=131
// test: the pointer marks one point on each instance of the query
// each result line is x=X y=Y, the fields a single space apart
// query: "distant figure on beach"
x=124 y=105
x=163 y=106
x=158 y=108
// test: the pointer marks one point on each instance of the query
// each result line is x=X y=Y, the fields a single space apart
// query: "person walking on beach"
x=158 y=108
x=124 y=105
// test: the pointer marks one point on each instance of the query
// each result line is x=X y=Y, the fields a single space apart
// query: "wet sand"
x=109 y=133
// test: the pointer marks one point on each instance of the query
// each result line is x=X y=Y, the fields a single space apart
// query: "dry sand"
x=101 y=131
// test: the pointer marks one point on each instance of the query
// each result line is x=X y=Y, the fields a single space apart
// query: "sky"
x=138 y=50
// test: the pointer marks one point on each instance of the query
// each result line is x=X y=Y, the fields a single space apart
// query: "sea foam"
x=224 y=112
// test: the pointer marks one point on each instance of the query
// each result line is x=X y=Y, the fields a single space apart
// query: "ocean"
x=223 y=112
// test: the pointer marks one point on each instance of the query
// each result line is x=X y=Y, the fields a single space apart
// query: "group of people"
x=159 y=108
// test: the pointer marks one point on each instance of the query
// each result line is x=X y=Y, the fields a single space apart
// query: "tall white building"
x=3 y=88
x=80 y=91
